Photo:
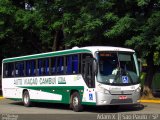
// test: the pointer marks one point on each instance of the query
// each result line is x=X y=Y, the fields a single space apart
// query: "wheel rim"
x=75 y=101
x=26 y=99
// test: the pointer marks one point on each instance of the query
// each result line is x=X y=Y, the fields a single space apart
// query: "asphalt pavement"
x=14 y=110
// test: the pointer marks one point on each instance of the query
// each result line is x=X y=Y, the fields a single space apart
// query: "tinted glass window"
x=19 y=69
x=8 y=70
x=31 y=68
x=72 y=64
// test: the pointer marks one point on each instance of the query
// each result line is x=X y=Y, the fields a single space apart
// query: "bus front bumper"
x=108 y=99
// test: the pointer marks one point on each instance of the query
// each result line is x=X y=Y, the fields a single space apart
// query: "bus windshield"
x=117 y=68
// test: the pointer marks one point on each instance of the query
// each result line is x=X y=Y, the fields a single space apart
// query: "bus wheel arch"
x=26 y=98
x=75 y=101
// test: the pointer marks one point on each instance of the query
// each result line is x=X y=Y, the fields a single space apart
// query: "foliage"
x=83 y=22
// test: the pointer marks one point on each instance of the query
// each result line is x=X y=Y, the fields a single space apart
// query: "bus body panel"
x=55 y=88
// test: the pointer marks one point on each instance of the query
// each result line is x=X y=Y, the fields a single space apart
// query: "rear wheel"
x=76 y=102
x=26 y=99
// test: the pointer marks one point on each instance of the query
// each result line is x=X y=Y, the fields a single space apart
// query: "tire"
x=76 y=102
x=26 y=99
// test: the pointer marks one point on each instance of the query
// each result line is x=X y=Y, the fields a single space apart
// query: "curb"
x=1 y=97
x=150 y=101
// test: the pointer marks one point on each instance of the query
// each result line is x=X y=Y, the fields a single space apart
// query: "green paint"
x=61 y=82
x=47 y=101
x=15 y=99
x=88 y=103
x=53 y=101
x=44 y=55
x=61 y=90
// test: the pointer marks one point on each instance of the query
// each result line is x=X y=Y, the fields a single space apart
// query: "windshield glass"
x=117 y=68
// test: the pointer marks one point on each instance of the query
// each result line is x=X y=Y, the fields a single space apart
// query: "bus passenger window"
x=46 y=66
x=40 y=67
x=72 y=64
x=75 y=63
x=8 y=70
x=30 y=68
x=60 y=65
x=69 y=64
x=53 y=65
x=19 y=69
x=33 y=67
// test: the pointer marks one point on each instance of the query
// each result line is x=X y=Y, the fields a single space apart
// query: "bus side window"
x=60 y=65
x=46 y=66
x=53 y=65
x=5 y=70
x=40 y=67
x=19 y=69
x=69 y=64
x=33 y=67
x=72 y=64
x=75 y=64
x=8 y=70
x=30 y=68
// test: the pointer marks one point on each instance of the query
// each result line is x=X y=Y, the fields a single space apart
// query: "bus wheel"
x=76 y=102
x=26 y=99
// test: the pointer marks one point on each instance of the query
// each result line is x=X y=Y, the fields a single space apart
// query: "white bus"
x=98 y=75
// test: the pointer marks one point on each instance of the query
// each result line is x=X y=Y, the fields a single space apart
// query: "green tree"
x=147 y=37
x=7 y=23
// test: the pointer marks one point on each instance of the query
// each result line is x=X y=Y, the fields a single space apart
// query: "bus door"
x=88 y=72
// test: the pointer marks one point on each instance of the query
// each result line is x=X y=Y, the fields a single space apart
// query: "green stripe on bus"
x=88 y=103
x=52 y=101
x=15 y=99
x=47 y=101
x=44 y=55
x=61 y=90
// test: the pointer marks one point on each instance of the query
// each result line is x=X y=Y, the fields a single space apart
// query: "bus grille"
x=117 y=101
x=126 y=92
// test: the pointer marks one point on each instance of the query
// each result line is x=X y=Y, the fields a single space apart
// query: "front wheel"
x=76 y=102
x=26 y=99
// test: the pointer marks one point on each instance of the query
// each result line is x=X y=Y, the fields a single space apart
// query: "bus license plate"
x=122 y=97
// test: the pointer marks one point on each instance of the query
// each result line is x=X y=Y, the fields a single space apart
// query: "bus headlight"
x=102 y=90
x=106 y=91
x=138 y=89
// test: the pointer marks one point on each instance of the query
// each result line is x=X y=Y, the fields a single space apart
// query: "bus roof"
x=74 y=50
x=107 y=48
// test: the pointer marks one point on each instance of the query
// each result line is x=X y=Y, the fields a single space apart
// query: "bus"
x=93 y=75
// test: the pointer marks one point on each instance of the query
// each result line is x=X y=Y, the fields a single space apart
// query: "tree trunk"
x=147 y=91
x=54 y=48
x=58 y=41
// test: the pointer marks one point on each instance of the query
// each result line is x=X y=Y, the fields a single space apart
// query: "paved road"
x=9 y=109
